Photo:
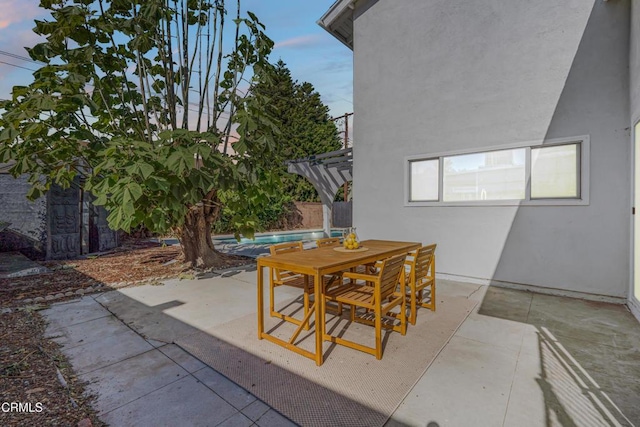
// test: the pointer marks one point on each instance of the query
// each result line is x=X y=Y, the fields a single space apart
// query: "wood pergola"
x=327 y=172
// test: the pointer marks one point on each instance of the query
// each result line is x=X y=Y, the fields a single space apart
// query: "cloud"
x=336 y=66
x=18 y=11
x=300 y=42
x=15 y=41
x=16 y=23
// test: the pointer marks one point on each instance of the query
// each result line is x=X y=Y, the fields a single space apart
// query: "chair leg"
x=413 y=306
x=403 y=317
x=432 y=299
x=433 y=284
x=352 y=309
x=323 y=308
x=433 y=295
x=271 y=293
x=378 y=323
x=306 y=308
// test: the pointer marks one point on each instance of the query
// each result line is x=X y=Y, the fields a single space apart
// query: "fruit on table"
x=350 y=242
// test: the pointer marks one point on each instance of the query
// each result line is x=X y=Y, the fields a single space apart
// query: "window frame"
x=583 y=155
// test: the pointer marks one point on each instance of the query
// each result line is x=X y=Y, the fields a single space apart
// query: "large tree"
x=305 y=124
x=153 y=103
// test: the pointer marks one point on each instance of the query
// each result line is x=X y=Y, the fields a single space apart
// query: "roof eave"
x=338 y=21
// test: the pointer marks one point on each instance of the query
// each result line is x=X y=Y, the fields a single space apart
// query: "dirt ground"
x=32 y=368
x=35 y=373
x=133 y=262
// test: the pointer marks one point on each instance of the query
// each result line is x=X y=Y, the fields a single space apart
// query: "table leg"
x=260 y=287
x=318 y=295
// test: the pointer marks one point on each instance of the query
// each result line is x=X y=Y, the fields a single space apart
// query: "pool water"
x=278 y=238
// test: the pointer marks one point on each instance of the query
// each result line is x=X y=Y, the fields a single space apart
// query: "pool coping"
x=249 y=249
x=278 y=233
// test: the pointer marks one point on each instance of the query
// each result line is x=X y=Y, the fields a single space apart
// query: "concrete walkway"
x=141 y=381
x=519 y=359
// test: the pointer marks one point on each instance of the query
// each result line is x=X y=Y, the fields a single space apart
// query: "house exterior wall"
x=434 y=76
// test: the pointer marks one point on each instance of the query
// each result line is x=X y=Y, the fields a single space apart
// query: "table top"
x=326 y=260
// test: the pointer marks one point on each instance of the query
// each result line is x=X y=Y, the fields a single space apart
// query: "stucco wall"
x=434 y=76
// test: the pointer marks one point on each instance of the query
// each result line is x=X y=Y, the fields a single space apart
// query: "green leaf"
x=127 y=203
x=175 y=162
x=8 y=134
x=146 y=170
x=135 y=190
x=34 y=193
x=101 y=200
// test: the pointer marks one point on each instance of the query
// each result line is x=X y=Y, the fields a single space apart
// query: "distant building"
x=59 y=225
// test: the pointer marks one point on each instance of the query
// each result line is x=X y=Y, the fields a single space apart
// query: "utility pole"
x=346 y=145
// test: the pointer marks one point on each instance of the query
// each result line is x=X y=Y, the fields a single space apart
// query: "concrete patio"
x=519 y=359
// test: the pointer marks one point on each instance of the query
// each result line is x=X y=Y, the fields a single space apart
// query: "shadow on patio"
x=134 y=374
x=588 y=355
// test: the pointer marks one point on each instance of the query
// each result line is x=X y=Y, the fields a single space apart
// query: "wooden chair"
x=422 y=274
x=334 y=279
x=328 y=242
x=279 y=277
x=379 y=298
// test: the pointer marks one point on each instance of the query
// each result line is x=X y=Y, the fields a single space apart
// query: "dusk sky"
x=310 y=52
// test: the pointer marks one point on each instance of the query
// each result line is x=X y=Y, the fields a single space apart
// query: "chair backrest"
x=328 y=241
x=283 y=248
x=389 y=275
x=422 y=262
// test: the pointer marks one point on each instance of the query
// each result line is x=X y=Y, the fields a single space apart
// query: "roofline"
x=340 y=10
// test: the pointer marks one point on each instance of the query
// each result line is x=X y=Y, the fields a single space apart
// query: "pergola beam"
x=327 y=172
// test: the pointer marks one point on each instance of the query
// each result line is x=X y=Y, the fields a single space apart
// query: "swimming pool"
x=280 y=237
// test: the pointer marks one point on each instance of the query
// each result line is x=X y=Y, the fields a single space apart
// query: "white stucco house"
x=503 y=131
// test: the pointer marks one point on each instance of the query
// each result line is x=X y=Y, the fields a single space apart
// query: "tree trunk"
x=195 y=238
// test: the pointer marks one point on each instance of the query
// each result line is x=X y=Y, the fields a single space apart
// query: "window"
x=424 y=180
x=493 y=175
x=553 y=174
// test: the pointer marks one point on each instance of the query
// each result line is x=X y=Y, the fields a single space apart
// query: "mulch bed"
x=32 y=368
x=34 y=373
x=133 y=263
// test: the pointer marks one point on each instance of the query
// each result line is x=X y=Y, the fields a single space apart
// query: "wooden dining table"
x=317 y=263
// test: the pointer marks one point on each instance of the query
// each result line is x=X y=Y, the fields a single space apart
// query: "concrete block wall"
x=27 y=218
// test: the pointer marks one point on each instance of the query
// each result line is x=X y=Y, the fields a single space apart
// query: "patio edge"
x=536 y=289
